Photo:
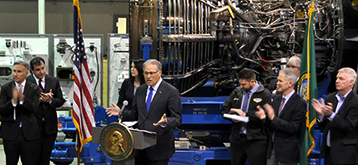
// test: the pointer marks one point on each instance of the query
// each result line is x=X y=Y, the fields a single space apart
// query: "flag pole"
x=83 y=114
x=79 y=150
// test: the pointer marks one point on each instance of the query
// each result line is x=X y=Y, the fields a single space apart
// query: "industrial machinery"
x=63 y=50
x=14 y=47
x=118 y=64
x=56 y=50
x=199 y=41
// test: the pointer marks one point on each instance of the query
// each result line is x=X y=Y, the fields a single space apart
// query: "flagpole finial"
x=311 y=10
x=76 y=3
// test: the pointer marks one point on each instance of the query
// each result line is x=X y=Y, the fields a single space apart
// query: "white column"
x=41 y=13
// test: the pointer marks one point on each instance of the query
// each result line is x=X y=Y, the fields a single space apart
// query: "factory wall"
x=22 y=17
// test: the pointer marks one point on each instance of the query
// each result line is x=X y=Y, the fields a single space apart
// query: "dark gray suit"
x=47 y=117
x=166 y=100
x=286 y=129
x=19 y=141
x=343 y=127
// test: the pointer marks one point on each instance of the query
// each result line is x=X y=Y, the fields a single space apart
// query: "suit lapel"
x=26 y=89
x=276 y=106
x=288 y=104
x=47 y=84
x=143 y=100
x=158 y=94
x=350 y=95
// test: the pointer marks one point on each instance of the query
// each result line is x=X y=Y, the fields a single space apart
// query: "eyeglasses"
x=150 y=73
x=290 y=66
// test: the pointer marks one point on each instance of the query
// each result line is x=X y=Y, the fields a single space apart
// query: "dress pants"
x=242 y=149
x=20 y=147
x=142 y=158
x=272 y=160
x=46 y=143
x=328 y=158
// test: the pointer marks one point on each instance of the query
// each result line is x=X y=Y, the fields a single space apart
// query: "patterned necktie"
x=20 y=87
x=281 y=106
x=18 y=115
x=149 y=99
x=246 y=101
x=40 y=85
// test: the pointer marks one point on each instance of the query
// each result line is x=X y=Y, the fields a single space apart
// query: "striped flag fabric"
x=83 y=115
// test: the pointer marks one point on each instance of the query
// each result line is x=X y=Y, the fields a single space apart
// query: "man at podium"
x=157 y=107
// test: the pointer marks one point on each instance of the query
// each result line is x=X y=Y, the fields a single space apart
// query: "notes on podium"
x=129 y=123
x=237 y=117
x=144 y=131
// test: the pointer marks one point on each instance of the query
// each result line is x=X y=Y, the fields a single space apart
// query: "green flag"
x=307 y=88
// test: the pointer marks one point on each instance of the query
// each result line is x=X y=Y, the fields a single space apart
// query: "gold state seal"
x=116 y=141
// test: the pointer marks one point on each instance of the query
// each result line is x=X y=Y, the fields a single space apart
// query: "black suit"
x=126 y=93
x=166 y=100
x=286 y=129
x=19 y=141
x=47 y=117
x=244 y=146
x=343 y=130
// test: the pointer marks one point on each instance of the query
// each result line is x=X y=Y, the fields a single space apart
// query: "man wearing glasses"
x=156 y=106
x=293 y=63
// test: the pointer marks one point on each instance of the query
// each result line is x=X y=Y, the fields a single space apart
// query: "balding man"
x=294 y=63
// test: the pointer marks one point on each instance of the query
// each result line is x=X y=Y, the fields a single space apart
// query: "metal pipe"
x=195 y=15
x=169 y=32
x=174 y=32
x=180 y=33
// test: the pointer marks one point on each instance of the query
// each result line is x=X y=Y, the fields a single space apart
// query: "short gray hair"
x=153 y=62
x=295 y=61
x=26 y=65
x=350 y=72
x=290 y=74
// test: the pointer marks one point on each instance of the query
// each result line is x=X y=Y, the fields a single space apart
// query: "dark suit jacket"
x=9 y=127
x=255 y=129
x=126 y=93
x=166 y=100
x=49 y=110
x=343 y=129
x=286 y=129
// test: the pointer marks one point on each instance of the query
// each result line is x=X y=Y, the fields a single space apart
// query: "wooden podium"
x=142 y=139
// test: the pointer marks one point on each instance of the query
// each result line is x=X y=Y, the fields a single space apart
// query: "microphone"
x=125 y=103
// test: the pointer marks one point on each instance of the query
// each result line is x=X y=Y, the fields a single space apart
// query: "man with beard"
x=246 y=138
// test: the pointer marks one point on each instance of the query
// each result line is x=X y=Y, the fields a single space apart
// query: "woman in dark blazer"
x=129 y=86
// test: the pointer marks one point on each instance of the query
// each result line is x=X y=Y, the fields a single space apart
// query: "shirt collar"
x=23 y=83
x=156 y=86
x=37 y=80
x=287 y=97
x=345 y=96
x=255 y=88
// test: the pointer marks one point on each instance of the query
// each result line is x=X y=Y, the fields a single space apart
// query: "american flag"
x=83 y=116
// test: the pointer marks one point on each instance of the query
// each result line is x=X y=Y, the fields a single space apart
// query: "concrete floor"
x=3 y=162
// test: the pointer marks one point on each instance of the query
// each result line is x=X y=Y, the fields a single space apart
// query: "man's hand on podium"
x=162 y=120
x=113 y=111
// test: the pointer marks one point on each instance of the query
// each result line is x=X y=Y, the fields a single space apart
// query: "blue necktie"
x=246 y=101
x=149 y=99
x=245 y=105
